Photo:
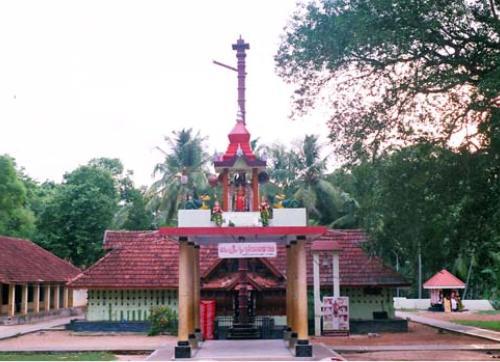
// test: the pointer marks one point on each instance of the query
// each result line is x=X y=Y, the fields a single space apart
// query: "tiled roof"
x=149 y=260
x=22 y=261
x=137 y=260
x=444 y=280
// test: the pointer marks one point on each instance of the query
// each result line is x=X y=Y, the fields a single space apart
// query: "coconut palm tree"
x=183 y=172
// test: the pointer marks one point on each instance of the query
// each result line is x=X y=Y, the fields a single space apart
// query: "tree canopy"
x=397 y=72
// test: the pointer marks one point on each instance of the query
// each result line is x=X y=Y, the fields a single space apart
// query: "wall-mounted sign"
x=336 y=314
x=247 y=250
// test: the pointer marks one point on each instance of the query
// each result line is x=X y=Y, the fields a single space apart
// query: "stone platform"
x=246 y=350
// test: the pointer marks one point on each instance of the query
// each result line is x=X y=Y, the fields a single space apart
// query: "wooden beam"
x=11 y=311
x=36 y=298
x=24 y=299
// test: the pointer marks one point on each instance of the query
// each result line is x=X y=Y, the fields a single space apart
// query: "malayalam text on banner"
x=247 y=250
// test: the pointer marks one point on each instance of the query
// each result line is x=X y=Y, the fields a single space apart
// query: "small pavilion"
x=32 y=281
x=442 y=285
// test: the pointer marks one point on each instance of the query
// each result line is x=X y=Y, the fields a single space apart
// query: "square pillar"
x=336 y=274
x=46 y=298
x=24 y=300
x=71 y=297
x=183 y=349
x=36 y=298
x=11 y=310
x=289 y=291
x=302 y=348
x=317 y=295
x=196 y=290
x=57 y=296
x=65 y=297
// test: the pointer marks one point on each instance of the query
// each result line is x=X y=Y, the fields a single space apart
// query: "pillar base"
x=183 y=350
x=193 y=341
x=198 y=335
x=303 y=348
x=286 y=333
x=292 y=340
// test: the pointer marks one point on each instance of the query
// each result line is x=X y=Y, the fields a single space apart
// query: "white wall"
x=423 y=304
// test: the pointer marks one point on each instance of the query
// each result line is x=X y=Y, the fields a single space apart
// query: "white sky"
x=85 y=79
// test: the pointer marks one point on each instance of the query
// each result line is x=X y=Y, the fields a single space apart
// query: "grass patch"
x=76 y=356
x=489 y=312
x=493 y=325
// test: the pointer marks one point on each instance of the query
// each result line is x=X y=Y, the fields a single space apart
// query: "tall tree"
x=73 y=222
x=397 y=72
x=182 y=171
x=16 y=219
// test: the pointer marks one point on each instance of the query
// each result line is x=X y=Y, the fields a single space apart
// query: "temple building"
x=266 y=268
x=32 y=282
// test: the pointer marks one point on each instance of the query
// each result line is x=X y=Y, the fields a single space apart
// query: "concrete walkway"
x=418 y=347
x=20 y=329
x=247 y=350
x=453 y=327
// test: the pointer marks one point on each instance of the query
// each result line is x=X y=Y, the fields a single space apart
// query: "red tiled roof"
x=149 y=260
x=444 y=280
x=137 y=260
x=22 y=261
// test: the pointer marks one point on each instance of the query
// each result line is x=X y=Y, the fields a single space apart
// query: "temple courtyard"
x=419 y=343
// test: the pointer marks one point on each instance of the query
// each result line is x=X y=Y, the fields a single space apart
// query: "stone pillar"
x=293 y=286
x=12 y=300
x=36 y=298
x=196 y=289
x=71 y=297
x=317 y=295
x=336 y=274
x=302 y=348
x=46 y=298
x=24 y=300
x=57 y=296
x=255 y=189
x=65 y=297
x=183 y=349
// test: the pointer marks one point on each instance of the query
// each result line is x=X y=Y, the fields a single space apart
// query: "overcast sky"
x=85 y=79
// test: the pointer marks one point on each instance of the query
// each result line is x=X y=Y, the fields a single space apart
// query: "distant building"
x=140 y=270
x=32 y=280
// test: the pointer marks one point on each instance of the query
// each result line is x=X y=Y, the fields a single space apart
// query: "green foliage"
x=185 y=161
x=16 y=219
x=73 y=221
x=163 y=321
x=423 y=70
x=493 y=325
x=300 y=174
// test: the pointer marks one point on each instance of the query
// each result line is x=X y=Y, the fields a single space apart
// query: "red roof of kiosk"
x=444 y=280
x=239 y=138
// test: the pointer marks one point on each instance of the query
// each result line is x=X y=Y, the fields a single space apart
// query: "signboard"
x=247 y=250
x=336 y=314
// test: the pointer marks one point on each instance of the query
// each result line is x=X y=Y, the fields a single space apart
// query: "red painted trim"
x=244 y=230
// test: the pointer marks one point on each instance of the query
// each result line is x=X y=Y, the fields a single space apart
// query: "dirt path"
x=422 y=356
x=417 y=334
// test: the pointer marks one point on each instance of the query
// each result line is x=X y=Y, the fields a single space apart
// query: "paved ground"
x=17 y=330
x=68 y=341
x=467 y=316
x=438 y=323
x=422 y=356
x=249 y=350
